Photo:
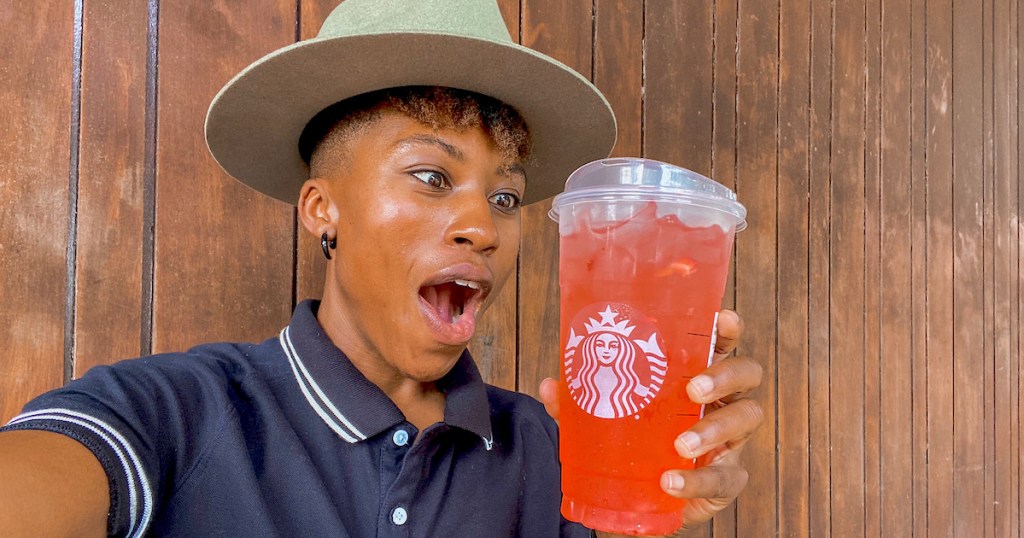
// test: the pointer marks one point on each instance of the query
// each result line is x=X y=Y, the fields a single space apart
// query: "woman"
x=365 y=416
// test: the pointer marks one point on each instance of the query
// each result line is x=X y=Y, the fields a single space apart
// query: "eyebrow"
x=512 y=169
x=451 y=150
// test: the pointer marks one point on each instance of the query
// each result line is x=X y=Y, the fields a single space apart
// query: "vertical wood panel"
x=111 y=174
x=562 y=30
x=223 y=251
x=819 y=341
x=872 y=277
x=1017 y=236
x=847 y=271
x=968 y=273
x=677 y=83
x=1006 y=291
x=793 y=213
x=756 y=263
x=895 y=286
x=35 y=129
x=919 y=140
x=988 y=338
x=618 y=67
x=723 y=159
x=940 y=267
x=723 y=140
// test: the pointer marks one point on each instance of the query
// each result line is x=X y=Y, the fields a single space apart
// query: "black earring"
x=328 y=245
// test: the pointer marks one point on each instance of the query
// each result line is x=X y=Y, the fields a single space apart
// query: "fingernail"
x=703 y=384
x=690 y=442
x=671 y=482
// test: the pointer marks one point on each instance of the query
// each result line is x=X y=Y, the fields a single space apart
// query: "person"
x=410 y=158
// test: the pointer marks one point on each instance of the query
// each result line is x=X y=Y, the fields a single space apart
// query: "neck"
x=421 y=406
x=422 y=403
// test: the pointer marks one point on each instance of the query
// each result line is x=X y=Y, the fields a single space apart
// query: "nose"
x=472 y=224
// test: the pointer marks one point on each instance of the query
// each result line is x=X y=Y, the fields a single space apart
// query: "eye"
x=506 y=200
x=433 y=178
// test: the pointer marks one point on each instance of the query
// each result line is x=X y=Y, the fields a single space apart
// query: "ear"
x=317 y=211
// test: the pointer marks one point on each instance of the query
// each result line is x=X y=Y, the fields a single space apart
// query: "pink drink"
x=641 y=289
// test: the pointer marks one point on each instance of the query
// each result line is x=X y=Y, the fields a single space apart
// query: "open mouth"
x=450 y=299
x=450 y=308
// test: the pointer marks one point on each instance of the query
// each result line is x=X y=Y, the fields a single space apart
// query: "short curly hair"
x=437 y=107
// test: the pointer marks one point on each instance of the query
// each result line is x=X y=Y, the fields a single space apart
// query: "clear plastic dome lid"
x=623 y=179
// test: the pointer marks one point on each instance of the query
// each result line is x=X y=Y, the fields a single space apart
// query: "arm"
x=50 y=485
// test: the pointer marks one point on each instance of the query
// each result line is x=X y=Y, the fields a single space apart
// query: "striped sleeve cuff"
x=117 y=456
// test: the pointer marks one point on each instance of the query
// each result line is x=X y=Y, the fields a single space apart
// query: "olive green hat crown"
x=254 y=123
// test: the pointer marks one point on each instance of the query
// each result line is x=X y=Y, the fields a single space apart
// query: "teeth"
x=468 y=284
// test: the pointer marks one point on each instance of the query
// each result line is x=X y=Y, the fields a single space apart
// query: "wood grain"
x=35 y=133
x=819 y=328
x=223 y=251
x=563 y=31
x=919 y=263
x=1005 y=289
x=723 y=160
x=941 y=507
x=108 y=294
x=756 y=253
x=895 y=285
x=847 y=271
x=793 y=278
x=723 y=147
x=677 y=96
x=872 y=275
x=619 y=68
x=968 y=273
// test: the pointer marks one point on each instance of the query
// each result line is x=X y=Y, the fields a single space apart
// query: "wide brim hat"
x=254 y=123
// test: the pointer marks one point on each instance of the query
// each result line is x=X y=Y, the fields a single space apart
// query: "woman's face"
x=428 y=232
x=607 y=347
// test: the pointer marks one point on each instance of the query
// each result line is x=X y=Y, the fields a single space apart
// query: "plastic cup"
x=644 y=256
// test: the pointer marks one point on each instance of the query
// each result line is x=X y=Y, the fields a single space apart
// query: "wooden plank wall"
x=876 y=144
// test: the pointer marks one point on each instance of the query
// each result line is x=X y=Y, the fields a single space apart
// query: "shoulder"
x=192 y=386
x=518 y=413
x=217 y=363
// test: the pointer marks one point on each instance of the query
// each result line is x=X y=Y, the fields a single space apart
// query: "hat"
x=254 y=123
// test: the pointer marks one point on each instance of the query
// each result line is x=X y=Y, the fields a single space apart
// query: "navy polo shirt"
x=288 y=438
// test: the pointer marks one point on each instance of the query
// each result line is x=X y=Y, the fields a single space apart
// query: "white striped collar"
x=356 y=409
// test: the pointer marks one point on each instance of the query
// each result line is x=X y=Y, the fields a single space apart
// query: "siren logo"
x=614 y=363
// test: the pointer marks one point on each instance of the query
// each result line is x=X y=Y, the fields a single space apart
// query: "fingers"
x=723 y=482
x=708 y=489
x=728 y=428
x=724 y=379
x=548 y=393
x=730 y=329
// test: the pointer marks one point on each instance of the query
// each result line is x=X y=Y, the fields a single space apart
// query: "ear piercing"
x=328 y=245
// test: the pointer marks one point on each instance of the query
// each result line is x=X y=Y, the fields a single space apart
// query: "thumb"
x=549 y=396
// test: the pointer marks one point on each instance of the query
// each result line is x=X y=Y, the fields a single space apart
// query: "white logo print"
x=614 y=363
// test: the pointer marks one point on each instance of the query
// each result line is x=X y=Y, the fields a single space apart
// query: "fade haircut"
x=329 y=132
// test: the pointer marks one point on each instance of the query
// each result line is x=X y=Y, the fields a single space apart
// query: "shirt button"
x=401 y=437
x=399 y=516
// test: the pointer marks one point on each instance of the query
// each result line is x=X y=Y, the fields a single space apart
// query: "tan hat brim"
x=254 y=123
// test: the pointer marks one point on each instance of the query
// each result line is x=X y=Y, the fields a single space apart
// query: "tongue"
x=443 y=306
x=444 y=301
x=440 y=297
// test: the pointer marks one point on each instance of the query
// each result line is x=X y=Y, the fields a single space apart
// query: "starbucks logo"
x=614 y=363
